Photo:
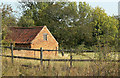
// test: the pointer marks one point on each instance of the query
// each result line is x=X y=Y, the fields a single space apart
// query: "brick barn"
x=33 y=37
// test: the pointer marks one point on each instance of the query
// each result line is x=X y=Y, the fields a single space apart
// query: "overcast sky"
x=110 y=6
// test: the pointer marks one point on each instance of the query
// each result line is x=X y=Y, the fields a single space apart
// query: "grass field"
x=32 y=67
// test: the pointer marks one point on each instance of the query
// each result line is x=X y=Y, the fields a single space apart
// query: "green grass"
x=112 y=55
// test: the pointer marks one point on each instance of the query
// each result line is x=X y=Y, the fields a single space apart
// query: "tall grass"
x=23 y=67
x=33 y=68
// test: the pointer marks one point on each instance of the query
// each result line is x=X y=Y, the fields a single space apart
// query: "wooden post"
x=12 y=52
x=56 y=51
x=48 y=63
x=41 y=55
x=34 y=54
x=70 y=59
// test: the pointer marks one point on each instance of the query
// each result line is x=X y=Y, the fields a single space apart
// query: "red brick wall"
x=51 y=43
x=35 y=54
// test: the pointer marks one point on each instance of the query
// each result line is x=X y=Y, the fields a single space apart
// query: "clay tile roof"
x=23 y=34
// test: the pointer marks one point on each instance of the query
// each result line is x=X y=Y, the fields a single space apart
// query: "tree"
x=105 y=27
x=25 y=21
x=56 y=16
x=72 y=25
x=8 y=19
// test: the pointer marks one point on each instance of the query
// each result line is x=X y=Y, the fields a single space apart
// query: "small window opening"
x=45 y=36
